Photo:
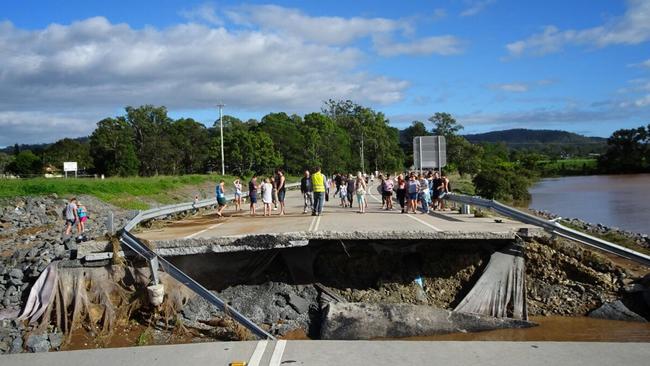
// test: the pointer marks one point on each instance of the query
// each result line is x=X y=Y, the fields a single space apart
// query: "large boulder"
x=616 y=311
x=350 y=321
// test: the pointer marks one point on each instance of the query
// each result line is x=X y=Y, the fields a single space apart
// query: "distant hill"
x=35 y=148
x=521 y=137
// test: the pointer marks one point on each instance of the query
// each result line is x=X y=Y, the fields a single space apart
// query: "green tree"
x=369 y=129
x=327 y=144
x=190 y=141
x=417 y=128
x=502 y=183
x=445 y=124
x=68 y=150
x=152 y=130
x=26 y=163
x=284 y=131
x=5 y=162
x=628 y=151
x=112 y=148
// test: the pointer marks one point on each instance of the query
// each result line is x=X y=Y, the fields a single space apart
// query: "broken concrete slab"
x=616 y=311
x=368 y=321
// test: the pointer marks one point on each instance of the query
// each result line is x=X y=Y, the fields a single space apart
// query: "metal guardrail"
x=181 y=207
x=132 y=242
x=552 y=227
x=128 y=239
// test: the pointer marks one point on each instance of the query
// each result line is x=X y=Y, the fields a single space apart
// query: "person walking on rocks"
x=318 y=182
x=267 y=196
x=280 y=185
x=221 y=197
x=360 y=189
x=82 y=214
x=71 y=216
x=307 y=192
x=252 y=194
x=237 y=184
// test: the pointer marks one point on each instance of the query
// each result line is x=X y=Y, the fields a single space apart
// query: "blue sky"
x=582 y=66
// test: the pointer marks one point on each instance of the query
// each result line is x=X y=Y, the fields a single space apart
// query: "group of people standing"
x=426 y=189
x=315 y=189
x=423 y=190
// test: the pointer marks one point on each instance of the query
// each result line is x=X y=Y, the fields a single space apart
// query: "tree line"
x=145 y=141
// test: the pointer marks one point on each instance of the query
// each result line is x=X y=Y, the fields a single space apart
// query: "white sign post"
x=70 y=166
x=429 y=152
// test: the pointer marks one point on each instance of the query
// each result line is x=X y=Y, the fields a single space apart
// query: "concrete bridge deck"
x=334 y=222
x=350 y=353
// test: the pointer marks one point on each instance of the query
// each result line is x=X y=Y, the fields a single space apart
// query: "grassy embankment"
x=134 y=193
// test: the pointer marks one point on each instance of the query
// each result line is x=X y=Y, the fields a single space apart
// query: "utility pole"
x=363 y=169
x=223 y=167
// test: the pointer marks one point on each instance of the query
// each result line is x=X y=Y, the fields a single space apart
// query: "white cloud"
x=439 y=13
x=475 y=6
x=645 y=63
x=441 y=45
x=322 y=29
x=630 y=29
x=203 y=13
x=511 y=87
x=339 y=31
x=94 y=67
x=26 y=127
x=520 y=87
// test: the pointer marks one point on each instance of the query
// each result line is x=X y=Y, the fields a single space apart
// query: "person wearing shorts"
x=221 y=197
x=237 y=185
x=71 y=216
x=388 y=191
x=252 y=194
x=83 y=217
x=413 y=186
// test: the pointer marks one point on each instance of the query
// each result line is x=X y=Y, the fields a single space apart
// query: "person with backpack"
x=71 y=216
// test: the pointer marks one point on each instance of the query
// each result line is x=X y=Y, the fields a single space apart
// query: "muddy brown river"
x=560 y=329
x=619 y=201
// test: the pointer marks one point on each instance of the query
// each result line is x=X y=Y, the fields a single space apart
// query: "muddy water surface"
x=560 y=329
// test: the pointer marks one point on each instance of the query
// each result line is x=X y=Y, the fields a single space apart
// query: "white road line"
x=317 y=223
x=204 y=230
x=258 y=353
x=423 y=222
x=413 y=217
x=276 y=357
x=311 y=224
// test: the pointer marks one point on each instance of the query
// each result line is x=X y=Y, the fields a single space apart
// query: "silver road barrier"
x=130 y=241
x=551 y=226
x=134 y=244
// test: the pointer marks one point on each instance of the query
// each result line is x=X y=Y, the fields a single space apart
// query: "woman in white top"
x=237 y=185
x=360 y=189
x=267 y=196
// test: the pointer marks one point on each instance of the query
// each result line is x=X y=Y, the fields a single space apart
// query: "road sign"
x=70 y=166
x=429 y=152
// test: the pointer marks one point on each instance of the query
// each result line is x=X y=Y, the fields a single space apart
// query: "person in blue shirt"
x=221 y=197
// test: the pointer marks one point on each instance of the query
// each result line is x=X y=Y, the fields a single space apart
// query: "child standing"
x=82 y=213
x=267 y=196
x=343 y=194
